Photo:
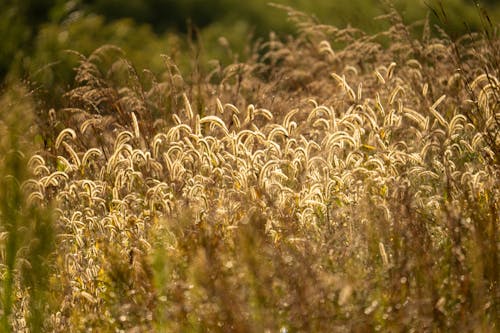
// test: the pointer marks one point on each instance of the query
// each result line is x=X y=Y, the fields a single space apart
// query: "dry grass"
x=330 y=183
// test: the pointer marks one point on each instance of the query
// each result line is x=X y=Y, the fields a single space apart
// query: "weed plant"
x=336 y=181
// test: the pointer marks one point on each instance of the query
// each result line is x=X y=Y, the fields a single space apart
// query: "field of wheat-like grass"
x=335 y=182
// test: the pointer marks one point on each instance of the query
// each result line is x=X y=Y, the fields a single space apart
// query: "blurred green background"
x=37 y=33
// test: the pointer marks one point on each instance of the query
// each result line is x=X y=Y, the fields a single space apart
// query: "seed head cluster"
x=334 y=181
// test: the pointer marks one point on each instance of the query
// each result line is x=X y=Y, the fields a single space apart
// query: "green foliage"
x=14 y=35
x=38 y=35
x=168 y=14
x=51 y=67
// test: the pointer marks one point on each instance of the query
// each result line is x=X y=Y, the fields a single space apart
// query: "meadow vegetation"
x=332 y=181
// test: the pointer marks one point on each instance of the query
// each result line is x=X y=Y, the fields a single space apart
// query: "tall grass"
x=332 y=182
x=26 y=230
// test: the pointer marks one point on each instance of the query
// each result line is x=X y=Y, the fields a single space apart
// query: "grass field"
x=334 y=181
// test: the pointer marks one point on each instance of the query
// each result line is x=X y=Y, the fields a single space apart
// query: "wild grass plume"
x=336 y=181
